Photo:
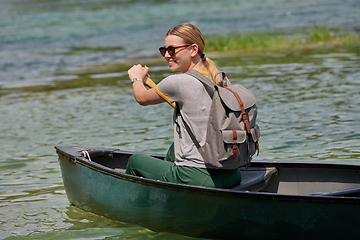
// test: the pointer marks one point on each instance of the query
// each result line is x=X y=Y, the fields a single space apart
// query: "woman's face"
x=181 y=60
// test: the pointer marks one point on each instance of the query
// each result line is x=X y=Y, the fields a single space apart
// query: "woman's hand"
x=138 y=71
x=142 y=95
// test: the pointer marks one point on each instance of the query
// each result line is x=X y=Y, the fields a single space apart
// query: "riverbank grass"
x=315 y=37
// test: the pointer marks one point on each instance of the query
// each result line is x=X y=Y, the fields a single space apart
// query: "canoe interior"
x=315 y=180
x=290 y=178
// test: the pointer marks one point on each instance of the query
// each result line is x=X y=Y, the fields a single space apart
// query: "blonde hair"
x=192 y=35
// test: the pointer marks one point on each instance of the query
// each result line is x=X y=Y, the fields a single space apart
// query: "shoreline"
x=315 y=37
x=216 y=47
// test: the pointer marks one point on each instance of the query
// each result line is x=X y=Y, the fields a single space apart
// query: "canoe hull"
x=204 y=212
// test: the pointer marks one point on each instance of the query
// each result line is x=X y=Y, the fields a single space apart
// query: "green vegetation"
x=315 y=37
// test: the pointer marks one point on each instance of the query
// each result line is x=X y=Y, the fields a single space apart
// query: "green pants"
x=165 y=170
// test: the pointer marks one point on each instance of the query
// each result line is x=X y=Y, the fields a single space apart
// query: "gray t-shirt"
x=194 y=102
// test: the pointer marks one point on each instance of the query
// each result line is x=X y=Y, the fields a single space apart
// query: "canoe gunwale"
x=76 y=158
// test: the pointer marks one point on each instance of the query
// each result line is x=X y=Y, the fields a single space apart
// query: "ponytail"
x=213 y=70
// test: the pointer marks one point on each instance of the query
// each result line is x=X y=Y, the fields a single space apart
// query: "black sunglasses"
x=170 y=50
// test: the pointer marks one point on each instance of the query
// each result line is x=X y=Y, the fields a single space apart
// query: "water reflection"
x=308 y=111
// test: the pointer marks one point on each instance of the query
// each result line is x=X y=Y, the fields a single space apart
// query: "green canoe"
x=276 y=200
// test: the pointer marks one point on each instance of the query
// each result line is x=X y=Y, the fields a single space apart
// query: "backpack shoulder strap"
x=191 y=134
x=201 y=77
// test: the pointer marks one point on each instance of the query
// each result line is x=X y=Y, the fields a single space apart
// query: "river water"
x=63 y=82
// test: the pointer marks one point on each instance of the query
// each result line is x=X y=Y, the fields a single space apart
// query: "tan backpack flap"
x=247 y=97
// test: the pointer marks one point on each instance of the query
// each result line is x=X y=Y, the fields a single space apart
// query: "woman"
x=183 y=50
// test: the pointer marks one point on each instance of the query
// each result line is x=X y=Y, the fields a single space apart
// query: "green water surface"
x=308 y=111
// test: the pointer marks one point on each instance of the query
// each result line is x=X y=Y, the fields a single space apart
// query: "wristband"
x=136 y=79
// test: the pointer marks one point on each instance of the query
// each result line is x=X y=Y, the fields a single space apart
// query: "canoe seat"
x=255 y=178
x=352 y=192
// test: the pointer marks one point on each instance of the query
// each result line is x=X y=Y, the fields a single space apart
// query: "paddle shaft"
x=150 y=83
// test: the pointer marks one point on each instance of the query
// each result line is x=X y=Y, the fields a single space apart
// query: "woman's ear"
x=194 y=50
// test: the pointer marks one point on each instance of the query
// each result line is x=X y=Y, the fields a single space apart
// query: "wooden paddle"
x=150 y=83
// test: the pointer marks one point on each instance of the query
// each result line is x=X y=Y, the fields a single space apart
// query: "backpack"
x=232 y=133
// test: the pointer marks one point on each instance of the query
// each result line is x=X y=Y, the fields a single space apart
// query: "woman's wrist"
x=136 y=79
